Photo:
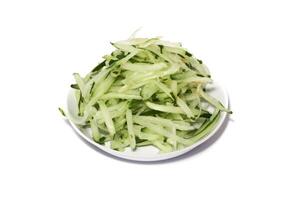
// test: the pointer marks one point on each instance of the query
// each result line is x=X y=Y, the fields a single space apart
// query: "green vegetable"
x=146 y=92
x=130 y=129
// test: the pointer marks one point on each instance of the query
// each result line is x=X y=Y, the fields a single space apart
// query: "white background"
x=251 y=47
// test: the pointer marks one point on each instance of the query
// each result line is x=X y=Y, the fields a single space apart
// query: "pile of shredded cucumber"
x=146 y=92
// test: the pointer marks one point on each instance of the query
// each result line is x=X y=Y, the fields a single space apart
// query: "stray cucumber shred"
x=146 y=92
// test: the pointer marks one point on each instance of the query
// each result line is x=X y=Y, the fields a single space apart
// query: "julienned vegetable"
x=146 y=92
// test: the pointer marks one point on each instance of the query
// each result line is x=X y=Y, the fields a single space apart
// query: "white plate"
x=150 y=153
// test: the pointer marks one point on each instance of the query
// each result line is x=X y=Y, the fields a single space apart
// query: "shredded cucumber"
x=146 y=92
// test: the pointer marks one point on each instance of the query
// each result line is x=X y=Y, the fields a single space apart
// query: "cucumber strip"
x=113 y=113
x=161 y=131
x=95 y=81
x=95 y=132
x=120 y=96
x=184 y=107
x=144 y=67
x=212 y=100
x=164 y=108
x=62 y=112
x=144 y=143
x=180 y=125
x=130 y=129
x=80 y=84
x=148 y=90
x=149 y=42
x=147 y=135
x=107 y=118
x=173 y=86
x=211 y=126
x=126 y=59
x=124 y=47
x=120 y=123
x=169 y=44
x=197 y=79
x=102 y=89
x=184 y=126
x=163 y=88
